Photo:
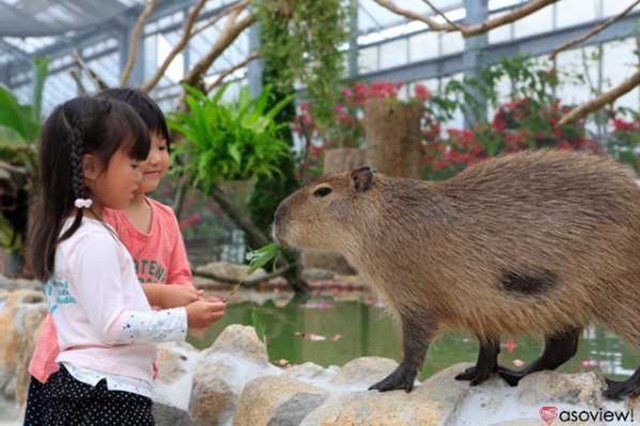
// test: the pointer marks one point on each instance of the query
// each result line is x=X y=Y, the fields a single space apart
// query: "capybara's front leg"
x=417 y=330
x=487 y=364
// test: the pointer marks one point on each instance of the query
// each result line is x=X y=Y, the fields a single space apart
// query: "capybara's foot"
x=620 y=389
x=475 y=375
x=401 y=378
x=467 y=374
x=510 y=376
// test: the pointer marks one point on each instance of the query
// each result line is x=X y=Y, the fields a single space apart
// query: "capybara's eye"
x=322 y=192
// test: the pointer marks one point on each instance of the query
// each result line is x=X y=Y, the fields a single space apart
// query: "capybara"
x=538 y=242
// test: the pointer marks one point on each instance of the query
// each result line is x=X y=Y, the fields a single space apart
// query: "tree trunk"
x=184 y=182
x=392 y=131
x=255 y=237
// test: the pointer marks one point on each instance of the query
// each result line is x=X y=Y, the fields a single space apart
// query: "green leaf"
x=228 y=140
x=258 y=258
x=42 y=71
x=12 y=114
x=259 y=324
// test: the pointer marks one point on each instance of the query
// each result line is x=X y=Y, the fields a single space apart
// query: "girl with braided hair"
x=89 y=159
x=148 y=229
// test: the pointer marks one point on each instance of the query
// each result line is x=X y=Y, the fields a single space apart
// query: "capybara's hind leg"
x=629 y=387
x=487 y=364
x=417 y=331
x=558 y=349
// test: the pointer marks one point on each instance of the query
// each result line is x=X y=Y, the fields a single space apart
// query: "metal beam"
x=536 y=45
x=474 y=49
x=255 y=68
x=16 y=50
x=116 y=26
x=136 y=77
x=65 y=67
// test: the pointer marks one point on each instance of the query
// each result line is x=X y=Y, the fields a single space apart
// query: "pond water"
x=329 y=332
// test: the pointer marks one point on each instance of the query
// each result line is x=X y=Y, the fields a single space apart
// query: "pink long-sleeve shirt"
x=159 y=256
x=103 y=320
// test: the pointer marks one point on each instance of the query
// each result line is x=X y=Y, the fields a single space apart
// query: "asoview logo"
x=549 y=414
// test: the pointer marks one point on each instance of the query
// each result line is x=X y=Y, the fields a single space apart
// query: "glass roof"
x=26 y=18
x=95 y=28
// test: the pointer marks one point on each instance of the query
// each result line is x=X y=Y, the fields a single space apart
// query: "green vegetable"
x=258 y=258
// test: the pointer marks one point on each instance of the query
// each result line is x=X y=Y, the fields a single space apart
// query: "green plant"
x=260 y=257
x=310 y=50
x=228 y=141
x=258 y=322
x=19 y=130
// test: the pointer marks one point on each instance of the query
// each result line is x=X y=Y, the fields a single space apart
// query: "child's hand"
x=199 y=333
x=175 y=296
x=203 y=313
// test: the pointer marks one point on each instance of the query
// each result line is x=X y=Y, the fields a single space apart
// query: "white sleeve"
x=99 y=290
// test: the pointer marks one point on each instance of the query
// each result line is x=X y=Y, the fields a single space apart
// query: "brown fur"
x=443 y=248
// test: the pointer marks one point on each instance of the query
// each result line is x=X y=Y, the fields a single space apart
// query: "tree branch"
x=414 y=16
x=439 y=12
x=95 y=79
x=516 y=14
x=184 y=39
x=601 y=100
x=228 y=35
x=75 y=75
x=473 y=29
x=133 y=41
x=593 y=31
x=244 y=283
x=231 y=70
x=184 y=183
x=214 y=19
x=255 y=237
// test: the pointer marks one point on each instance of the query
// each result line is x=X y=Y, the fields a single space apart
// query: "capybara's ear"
x=362 y=178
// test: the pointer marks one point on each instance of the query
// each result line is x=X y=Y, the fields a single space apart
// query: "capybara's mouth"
x=276 y=235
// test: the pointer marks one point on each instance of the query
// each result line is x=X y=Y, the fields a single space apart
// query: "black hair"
x=148 y=110
x=83 y=125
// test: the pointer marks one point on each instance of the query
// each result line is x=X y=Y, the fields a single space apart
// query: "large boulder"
x=277 y=401
x=21 y=312
x=234 y=359
x=172 y=388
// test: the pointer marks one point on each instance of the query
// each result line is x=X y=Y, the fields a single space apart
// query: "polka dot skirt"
x=65 y=401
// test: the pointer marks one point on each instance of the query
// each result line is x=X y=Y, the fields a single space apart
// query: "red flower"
x=557 y=132
x=316 y=150
x=190 y=221
x=440 y=164
x=499 y=122
x=421 y=92
x=625 y=126
x=346 y=119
